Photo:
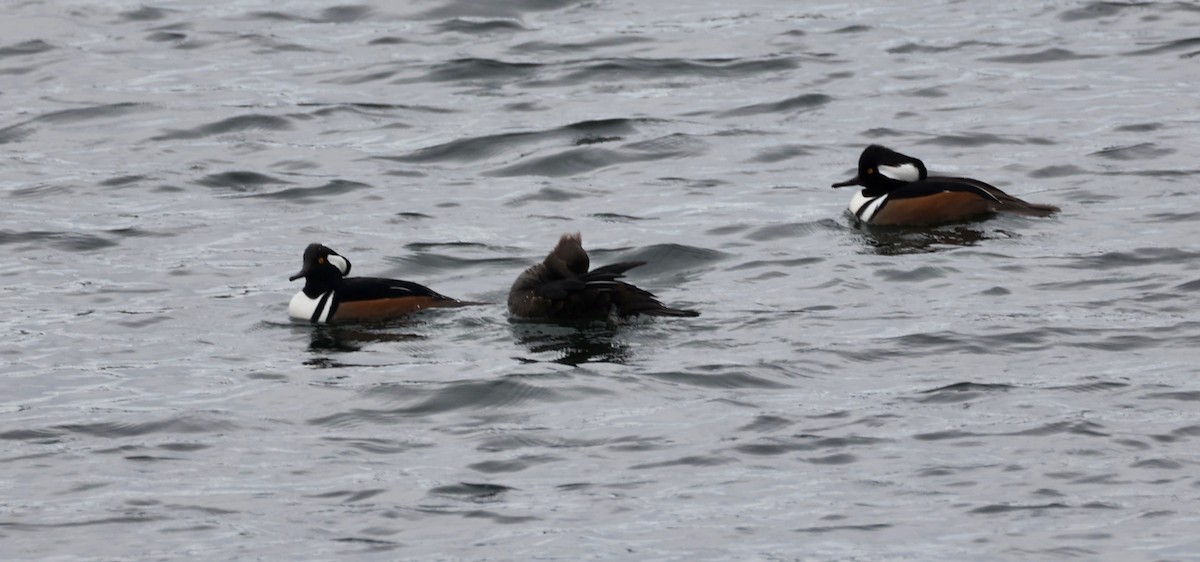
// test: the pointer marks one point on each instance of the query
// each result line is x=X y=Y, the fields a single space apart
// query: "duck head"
x=322 y=268
x=881 y=169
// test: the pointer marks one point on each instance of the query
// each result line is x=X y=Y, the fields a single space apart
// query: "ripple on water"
x=662 y=258
x=583 y=46
x=803 y=102
x=576 y=161
x=379 y=109
x=773 y=446
x=551 y=194
x=767 y=423
x=1057 y=171
x=1102 y=9
x=25 y=48
x=617 y=217
x=473 y=492
x=337 y=14
x=409 y=216
x=920 y=48
x=784 y=263
x=122 y=181
x=1171 y=46
x=187 y=423
x=231 y=125
x=1140 y=151
x=506 y=9
x=1008 y=508
x=476 y=396
x=1054 y=54
x=21 y=131
x=838 y=528
x=625 y=69
x=377 y=446
x=916 y=275
x=1140 y=257
x=513 y=465
x=480 y=26
x=1098 y=386
x=690 y=460
x=478 y=148
x=779 y=153
x=146 y=13
x=962 y=392
x=129 y=519
x=734 y=377
x=473 y=71
x=590 y=157
x=1185 y=396
x=1085 y=428
x=428 y=262
x=786 y=231
x=499 y=518
x=514 y=441
x=969 y=139
x=239 y=180
x=308 y=194
x=68 y=241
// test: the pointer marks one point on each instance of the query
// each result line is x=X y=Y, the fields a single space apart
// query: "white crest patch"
x=903 y=172
x=340 y=263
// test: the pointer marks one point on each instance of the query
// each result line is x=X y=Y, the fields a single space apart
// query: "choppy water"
x=1011 y=389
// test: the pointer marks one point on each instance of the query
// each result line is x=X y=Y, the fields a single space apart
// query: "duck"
x=562 y=289
x=897 y=190
x=330 y=297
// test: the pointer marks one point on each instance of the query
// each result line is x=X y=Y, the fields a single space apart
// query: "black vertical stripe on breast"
x=867 y=205
x=316 y=315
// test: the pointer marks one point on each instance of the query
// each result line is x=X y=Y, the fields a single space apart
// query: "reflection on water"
x=574 y=344
x=352 y=338
x=900 y=240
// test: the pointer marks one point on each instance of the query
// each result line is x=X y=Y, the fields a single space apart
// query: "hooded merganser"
x=562 y=289
x=329 y=296
x=898 y=191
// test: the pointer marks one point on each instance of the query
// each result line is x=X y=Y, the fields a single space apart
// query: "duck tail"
x=448 y=302
x=1019 y=207
x=1008 y=204
x=674 y=312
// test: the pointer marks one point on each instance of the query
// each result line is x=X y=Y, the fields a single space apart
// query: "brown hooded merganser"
x=329 y=296
x=562 y=289
x=898 y=191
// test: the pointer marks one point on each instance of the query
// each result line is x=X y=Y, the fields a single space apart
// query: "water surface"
x=1010 y=389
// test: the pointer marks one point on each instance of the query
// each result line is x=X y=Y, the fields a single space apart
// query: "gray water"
x=1017 y=388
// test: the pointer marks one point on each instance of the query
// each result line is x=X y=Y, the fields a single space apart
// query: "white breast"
x=303 y=308
x=867 y=205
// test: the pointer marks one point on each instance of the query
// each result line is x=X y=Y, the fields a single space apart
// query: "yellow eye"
x=321 y=260
x=870 y=171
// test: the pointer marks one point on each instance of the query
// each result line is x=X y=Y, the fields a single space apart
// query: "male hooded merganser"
x=898 y=191
x=562 y=289
x=328 y=296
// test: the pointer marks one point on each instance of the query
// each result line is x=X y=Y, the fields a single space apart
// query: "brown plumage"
x=385 y=309
x=562 y=289
x=943 y=207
